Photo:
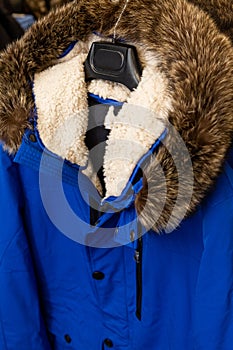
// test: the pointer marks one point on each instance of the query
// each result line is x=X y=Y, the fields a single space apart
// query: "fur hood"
x=41 y=7
x=193 y=55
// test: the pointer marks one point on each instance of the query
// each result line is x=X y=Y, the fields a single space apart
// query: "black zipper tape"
x=138 y=259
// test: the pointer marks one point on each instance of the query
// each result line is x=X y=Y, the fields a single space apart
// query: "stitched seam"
x=9 y=244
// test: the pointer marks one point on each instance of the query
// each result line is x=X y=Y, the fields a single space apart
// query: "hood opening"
x=192 y=87
x=61 y=99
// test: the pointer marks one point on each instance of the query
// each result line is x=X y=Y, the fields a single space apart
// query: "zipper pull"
x=138 y=251
x=137 y=256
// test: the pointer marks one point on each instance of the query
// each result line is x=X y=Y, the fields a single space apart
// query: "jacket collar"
x=197 y=61
x=62 y=115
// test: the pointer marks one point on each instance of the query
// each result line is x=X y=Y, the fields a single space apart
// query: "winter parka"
x=124 y=242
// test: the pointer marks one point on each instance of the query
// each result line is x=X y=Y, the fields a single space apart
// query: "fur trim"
x=221 y=11
x=41 y=7
x=196 y=58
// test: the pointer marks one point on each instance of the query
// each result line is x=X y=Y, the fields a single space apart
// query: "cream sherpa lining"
x=62 y=109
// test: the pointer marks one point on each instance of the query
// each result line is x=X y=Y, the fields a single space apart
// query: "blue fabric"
x=69 y=49
x=48 y=253
x=47 y=290
x=107 y=101
x=25 y=21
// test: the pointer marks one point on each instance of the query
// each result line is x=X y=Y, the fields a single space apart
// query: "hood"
x=192 y=73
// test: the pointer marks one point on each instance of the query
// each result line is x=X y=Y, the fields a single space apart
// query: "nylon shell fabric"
x=48 y=291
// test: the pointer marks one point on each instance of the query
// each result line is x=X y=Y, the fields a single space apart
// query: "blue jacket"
x=140 y=257
x=76 y=296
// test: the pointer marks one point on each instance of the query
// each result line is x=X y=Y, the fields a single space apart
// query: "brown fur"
x=221 y=12
x=196 y=58
x=42 y=7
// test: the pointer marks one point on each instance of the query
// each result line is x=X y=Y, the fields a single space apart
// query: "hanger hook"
x=119 y=18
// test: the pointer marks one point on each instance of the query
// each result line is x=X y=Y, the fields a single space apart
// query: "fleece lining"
x=62 y=109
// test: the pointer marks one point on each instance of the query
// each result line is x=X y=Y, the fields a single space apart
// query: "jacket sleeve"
x=213 y=318
x=21 y=323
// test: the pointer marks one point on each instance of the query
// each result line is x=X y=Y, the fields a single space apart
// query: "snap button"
x=97 y=275
x=108 y=343
x=32 y=138
x=68 y=338
x=132 y=236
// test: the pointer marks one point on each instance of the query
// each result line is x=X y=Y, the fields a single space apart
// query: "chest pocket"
x=168 y=282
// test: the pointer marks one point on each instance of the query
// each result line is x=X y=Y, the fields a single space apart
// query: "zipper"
x=138 y=259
